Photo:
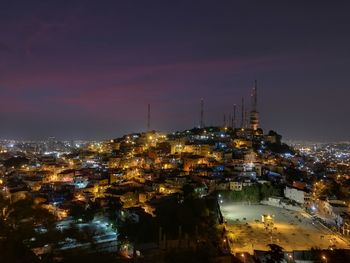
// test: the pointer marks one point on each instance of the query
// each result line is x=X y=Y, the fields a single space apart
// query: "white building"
x=296 y=195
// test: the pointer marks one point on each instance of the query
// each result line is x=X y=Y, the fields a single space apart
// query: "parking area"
x=291 y=230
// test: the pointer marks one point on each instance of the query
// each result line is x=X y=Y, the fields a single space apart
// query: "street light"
x=243 y=256
x=324 y=258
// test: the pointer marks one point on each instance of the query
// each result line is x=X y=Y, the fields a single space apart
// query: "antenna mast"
x=201 y=125
x=149 y=118
x=242 y=121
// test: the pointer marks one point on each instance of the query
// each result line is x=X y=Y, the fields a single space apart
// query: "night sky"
x=88 y=69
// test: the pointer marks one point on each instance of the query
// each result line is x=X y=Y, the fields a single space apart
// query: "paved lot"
x=292 y=230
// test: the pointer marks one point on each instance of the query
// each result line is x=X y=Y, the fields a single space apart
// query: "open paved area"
x=291 y=230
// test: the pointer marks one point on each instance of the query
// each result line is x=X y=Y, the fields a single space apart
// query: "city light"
x=165 y=132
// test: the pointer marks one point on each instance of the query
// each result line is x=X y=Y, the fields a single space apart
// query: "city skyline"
x=174 y=131
x=82 y=70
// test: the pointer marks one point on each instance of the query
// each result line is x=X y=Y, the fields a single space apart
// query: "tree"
x=84 y=212
x=17 y=222
x=15 y=162
x=25 y=211
x=275 y=134
x=112 y=209
x=275 y=254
